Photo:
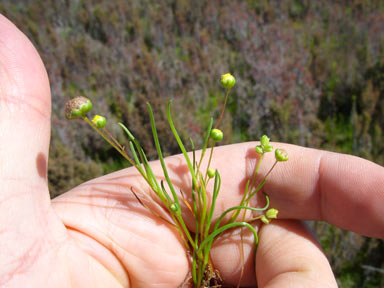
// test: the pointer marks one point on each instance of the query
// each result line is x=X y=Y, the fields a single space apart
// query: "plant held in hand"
x=199 y=242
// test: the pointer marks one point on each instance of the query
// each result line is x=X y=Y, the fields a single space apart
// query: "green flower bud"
x=175 y=208
x=264 y=144
x=211 y=173
x=228 y=81
x=268 y=148
x=259 y=149
x=264 y=219
x=99 y=121
x=77 y=107
x=216 y=135
x=271 y=213
x=281 y=155
x=264 y=140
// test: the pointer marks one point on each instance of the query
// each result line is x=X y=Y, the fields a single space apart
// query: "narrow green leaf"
x=133 y=151
x=181 y=145
x=160 y=154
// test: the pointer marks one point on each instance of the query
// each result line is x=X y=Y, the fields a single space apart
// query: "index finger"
x=343 y=190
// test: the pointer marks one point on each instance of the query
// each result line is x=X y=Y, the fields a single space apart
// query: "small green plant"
x=199 y=242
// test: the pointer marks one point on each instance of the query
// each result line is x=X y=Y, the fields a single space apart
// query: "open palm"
x=98 y=235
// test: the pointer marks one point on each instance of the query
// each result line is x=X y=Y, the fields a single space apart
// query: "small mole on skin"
x=41 y=165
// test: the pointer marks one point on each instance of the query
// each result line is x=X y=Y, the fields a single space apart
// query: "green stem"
x=235 y=214
x=113 y=139
x=209 y=162
x=110 y=142
x=223 y=109
x=208 y=133
x=132 y=148
x=216 y=189
x=257 y=170
x=248 y=188
x=194 y=279
x=257 y=189
x=186 y=231
x=203 y=209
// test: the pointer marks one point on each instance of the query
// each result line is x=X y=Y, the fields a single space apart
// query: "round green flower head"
x=281 y=155
x=99 y=121
x=211 y=173
x=216 y=135
x=77 y=107
x=228 y=81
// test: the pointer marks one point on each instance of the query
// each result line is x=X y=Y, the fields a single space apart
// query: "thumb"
x=24 y=110
x=24 y=130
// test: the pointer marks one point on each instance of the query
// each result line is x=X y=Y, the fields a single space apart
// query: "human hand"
x=97 y=235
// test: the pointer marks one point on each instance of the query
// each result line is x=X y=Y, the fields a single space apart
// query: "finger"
x=343 y=190
x=287 y=255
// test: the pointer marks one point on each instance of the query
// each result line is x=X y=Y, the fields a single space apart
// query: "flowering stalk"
x=199 y=243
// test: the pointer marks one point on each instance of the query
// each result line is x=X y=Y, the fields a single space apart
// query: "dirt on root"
x=211 y=279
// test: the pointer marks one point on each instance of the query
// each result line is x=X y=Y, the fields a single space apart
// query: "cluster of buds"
x=264 y=145
x=280 y=154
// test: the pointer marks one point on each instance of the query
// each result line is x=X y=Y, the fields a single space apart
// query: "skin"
x=97 y=235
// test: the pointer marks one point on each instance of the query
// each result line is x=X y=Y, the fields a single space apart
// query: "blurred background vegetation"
x=308 y=72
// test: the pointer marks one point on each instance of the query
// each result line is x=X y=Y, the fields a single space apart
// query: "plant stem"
x=223 y=109
x=257 y=170
x=206 y=140
x=261 y=184
x=248 y=188
x=122 y=152
x=209 y=162
x=203 y=208
x=113 y=139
